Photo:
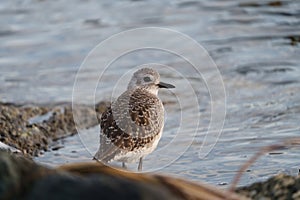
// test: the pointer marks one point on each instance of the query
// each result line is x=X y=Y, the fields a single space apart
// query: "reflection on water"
x=255 y=45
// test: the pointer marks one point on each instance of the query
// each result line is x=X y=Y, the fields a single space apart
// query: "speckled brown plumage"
x=132 y=125
x=131 y=122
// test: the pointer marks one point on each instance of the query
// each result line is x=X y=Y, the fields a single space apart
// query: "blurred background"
x=255 y=45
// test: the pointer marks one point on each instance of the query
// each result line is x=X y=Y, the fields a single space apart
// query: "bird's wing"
x=129 y=123
x=110 y=137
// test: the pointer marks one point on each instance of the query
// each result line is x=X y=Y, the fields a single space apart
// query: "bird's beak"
x=165 y=85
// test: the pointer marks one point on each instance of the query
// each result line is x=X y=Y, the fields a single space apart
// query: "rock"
x=21 y=178
x=17 y=175
x=32 y=128
x=279 y=187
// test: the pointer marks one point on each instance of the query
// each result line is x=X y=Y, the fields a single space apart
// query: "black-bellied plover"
x=132 y=126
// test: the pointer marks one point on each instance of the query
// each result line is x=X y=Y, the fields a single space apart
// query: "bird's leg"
x=140 y=164
x=124 y=165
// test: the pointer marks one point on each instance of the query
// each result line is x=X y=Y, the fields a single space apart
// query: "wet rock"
x=33 y=128
x=279 y=187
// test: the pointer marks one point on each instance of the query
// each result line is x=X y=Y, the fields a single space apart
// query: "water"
x=255 y=45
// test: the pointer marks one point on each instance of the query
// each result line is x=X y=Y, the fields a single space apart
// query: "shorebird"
x=132 y=126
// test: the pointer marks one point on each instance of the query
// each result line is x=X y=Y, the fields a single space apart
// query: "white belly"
x=132 y=156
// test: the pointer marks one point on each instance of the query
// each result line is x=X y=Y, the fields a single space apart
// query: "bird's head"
x=148 y=79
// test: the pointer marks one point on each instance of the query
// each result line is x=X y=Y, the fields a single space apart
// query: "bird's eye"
x=147 y=79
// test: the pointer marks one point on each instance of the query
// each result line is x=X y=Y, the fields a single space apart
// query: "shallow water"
x=255 y=45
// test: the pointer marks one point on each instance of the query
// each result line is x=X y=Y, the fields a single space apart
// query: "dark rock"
x=278 y=187
x=65 y=186
x=20 y=178
x=55 y=148
x=17 y=174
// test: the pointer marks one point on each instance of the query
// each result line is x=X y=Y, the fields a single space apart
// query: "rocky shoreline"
x=31 y=129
